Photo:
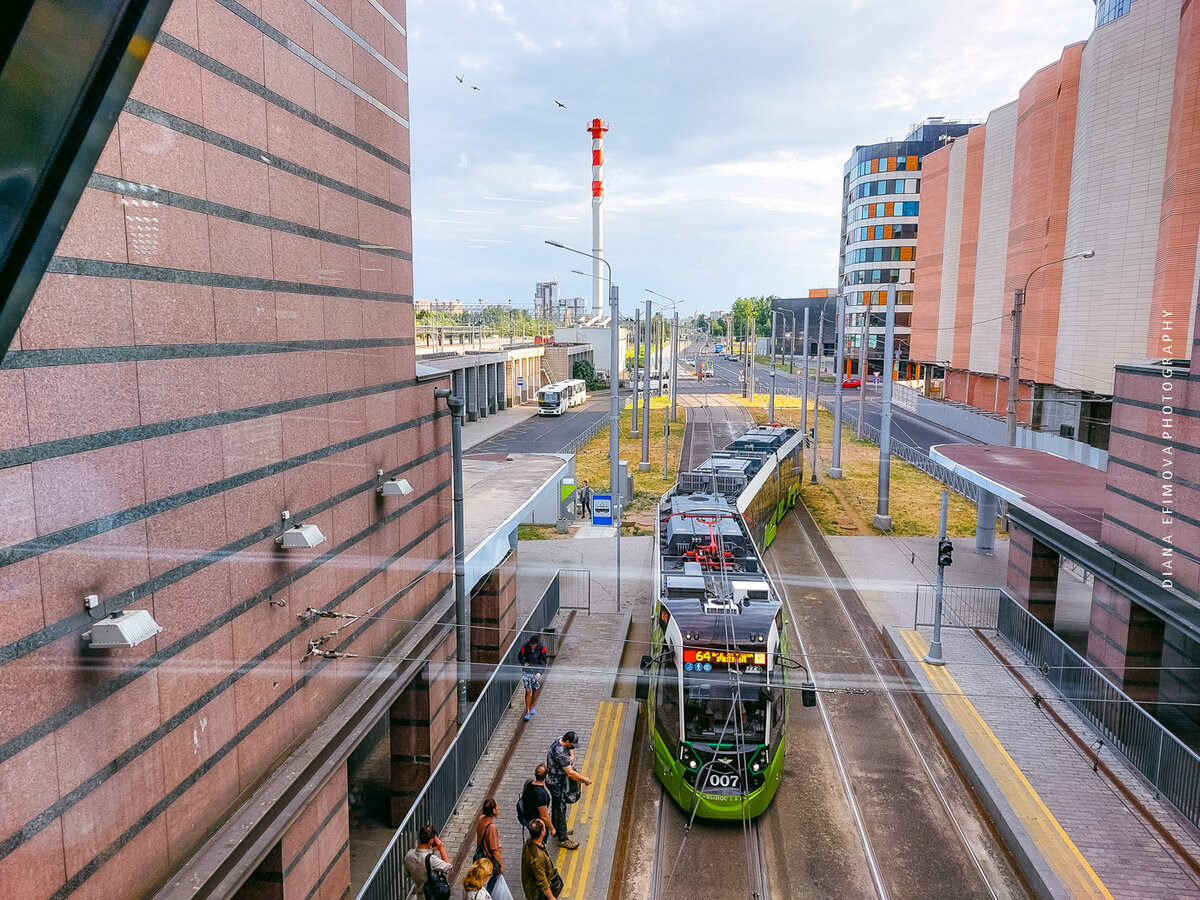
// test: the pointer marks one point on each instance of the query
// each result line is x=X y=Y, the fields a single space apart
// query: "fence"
x=575 y=589
x=962 y=607
x=592 y=430
x=917 y=457
x=436 y=802
x=1171 y=767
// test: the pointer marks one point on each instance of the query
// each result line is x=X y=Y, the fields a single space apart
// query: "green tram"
x=717 y=699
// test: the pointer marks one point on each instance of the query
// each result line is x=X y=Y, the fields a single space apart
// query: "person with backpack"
x=532 y=657
x=487 y=847
x=534 y=802
x=561 y=778
x=428 y=866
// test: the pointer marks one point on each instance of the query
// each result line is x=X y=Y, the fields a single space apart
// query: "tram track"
x=903 y=794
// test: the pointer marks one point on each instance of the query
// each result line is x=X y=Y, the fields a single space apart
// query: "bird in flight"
x=460 y=78
x=561 y=104
x=474 y=88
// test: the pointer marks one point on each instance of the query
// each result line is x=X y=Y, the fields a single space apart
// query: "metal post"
x=804 y=377
x=461 y=613
x=862 y=368
x=817 y=391
x=934 y=656
x=644 y=465
x=1014 y=368
x=883 y=521
x=674 y=362
x=666 y=439
x=835 y=470
x=751 y=349
x=614 y=419
x=771 y=406
x=637 y=356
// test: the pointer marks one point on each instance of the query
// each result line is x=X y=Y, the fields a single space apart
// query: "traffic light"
x=945 y=549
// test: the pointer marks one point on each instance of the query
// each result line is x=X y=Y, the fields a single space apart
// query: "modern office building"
x=881 y=198
x=1087 y=158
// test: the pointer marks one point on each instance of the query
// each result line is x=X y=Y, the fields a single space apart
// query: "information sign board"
x=602 y=509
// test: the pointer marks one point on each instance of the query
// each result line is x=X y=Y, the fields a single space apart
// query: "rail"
x=435 y=804
x=1170 y=766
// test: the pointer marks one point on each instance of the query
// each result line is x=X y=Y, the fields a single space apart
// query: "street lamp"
x=1014 y=371
x=614 y=411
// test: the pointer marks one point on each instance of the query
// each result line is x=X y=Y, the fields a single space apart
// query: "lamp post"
x=614 y=410
x=835 y=469
x=674 y=345
x=1014 y=371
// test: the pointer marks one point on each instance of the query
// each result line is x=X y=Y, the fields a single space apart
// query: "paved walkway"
x=475 y=433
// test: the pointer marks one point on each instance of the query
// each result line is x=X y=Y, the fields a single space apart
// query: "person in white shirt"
x=430 y=846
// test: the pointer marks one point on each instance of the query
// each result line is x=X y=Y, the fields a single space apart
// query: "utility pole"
x=644 y=465
x=774 y=331
x=674 y=362
x=934 y=656
x=804 y=377
x=637 y=357
x=883 y=521
x=835 y=470
x=752 y=335
x=817 y=390
x=862 y=369
x=1014 y=368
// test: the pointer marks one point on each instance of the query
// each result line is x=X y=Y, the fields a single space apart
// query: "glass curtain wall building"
x=881 y=190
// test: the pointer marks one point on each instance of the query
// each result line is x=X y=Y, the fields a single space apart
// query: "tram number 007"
x=722 y=782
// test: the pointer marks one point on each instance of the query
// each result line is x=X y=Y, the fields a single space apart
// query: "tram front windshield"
x=719 y=711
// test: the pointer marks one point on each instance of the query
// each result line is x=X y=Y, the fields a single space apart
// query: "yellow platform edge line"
x=1080 y=878
x=601 y=790
x=568 y=860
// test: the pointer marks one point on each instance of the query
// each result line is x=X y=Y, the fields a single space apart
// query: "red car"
x=851 y=383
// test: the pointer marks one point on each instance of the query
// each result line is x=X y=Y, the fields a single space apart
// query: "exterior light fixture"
x=126 y=628
x=393 y=487
x=299 y=536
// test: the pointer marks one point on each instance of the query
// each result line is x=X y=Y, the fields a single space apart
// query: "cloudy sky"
x=730 y=121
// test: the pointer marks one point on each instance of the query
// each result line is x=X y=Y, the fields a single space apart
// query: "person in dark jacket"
x=532 y=657
x=537 y=869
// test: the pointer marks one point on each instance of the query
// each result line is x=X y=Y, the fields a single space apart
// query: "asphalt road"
x=547 y=434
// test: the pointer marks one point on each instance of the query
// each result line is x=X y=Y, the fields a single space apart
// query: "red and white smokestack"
x=597 y=129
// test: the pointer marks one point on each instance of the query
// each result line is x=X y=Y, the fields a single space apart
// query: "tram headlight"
x=692 y=763
x=755 y=767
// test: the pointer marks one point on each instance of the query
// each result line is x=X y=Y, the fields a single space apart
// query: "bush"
x=585 y=370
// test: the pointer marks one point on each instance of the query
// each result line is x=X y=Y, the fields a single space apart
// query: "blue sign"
x=520 y=382
x=602 y=509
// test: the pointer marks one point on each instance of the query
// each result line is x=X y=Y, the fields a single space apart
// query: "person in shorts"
x=532 y=657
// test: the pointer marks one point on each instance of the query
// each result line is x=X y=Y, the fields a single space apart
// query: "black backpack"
x=436 y=885
x=522 y=816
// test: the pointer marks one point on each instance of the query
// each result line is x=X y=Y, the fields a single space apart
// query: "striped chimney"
x=597 y=129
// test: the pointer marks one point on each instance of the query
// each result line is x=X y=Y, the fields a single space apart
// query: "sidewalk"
x=1071 y=830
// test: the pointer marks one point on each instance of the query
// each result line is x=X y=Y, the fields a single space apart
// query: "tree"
x=700 y=323
x=585 y=370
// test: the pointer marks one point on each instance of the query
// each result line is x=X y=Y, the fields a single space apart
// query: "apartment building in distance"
x=881 y=199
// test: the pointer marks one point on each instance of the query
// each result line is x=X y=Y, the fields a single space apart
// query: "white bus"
x=555 y=399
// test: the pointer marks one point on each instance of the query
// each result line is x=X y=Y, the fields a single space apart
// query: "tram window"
x=716 y=712
x=667 y=702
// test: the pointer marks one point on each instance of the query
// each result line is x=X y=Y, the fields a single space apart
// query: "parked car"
x=851 y=382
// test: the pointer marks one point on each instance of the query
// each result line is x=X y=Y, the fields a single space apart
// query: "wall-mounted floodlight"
x=299 y=536
x=126 y=628
x=393 y=487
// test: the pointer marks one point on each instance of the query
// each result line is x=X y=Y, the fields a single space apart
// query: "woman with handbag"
x=539 y=877
x=487 y=846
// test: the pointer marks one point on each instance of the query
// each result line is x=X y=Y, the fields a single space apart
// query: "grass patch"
x=847 y=505
x=539 y=533
x=592 y=461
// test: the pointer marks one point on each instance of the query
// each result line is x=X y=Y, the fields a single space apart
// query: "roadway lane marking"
x=1060 y=851
x=602 y=742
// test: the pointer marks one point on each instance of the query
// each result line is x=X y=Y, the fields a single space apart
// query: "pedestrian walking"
x=487 y=847
x=585 y=498
x=561 y=776
x=427 y=857
x=532 y=657
x=539 y=877
x=475 y=881
x=535 y=800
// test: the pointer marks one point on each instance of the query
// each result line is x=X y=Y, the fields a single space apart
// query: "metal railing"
x=962 y=606
x=1172 y=768
x=590 y=432
x=917 y=457
x=575 y=589
x=435 y=804
x=1169 y=765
